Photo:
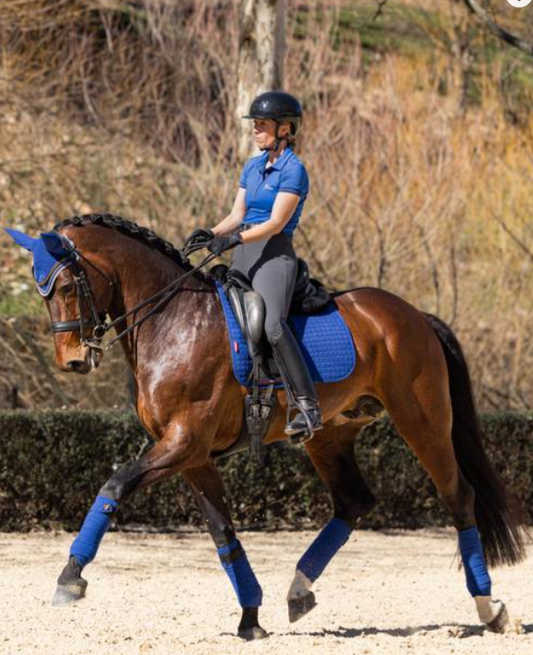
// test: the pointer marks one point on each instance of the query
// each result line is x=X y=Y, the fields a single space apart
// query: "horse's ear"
x=22 y=239
x=56 y=244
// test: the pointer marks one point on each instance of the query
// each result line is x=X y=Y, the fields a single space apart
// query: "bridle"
x=84 y=295
x=97 y=321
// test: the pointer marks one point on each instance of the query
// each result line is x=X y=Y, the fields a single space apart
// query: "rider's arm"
x=234 y=218
x=282 y=211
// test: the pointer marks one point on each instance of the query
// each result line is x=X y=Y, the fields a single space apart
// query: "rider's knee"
x=273 y=330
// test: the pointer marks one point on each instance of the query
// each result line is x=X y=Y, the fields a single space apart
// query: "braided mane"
x=142 y=234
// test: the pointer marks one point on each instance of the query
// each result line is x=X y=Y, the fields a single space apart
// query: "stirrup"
x=306 y=422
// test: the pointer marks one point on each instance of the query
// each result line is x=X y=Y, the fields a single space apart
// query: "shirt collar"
x=280 y=161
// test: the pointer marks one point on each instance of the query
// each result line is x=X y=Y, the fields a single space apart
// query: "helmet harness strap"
x=277 y=137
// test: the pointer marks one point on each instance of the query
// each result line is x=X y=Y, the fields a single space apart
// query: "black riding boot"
x=296 y=376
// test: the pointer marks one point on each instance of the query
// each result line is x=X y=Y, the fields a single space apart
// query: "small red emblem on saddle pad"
x=236 y=346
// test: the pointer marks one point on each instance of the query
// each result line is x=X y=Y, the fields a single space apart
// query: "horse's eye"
x=67 y=288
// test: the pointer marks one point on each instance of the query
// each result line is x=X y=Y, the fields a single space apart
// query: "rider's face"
x=265 y=132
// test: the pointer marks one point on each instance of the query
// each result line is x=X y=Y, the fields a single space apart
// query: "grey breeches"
x=271 y=266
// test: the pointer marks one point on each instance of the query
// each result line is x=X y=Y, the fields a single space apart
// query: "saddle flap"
x=235 y=298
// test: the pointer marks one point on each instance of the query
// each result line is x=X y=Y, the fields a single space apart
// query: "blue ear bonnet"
x=52 y=253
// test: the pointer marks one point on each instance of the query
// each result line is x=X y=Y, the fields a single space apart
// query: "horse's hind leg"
x=422 y=414
x=332 y=453
x=209 y=491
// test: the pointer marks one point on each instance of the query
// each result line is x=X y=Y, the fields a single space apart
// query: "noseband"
x=100 y=327
x=84 y=295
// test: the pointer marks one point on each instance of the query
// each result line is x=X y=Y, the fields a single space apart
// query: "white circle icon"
x=519 y=3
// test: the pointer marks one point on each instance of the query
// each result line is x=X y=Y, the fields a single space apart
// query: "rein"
x=100 y=327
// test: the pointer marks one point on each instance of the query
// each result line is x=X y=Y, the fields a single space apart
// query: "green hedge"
x=53 y=464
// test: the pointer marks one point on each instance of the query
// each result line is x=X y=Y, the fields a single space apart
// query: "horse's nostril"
x=75 y=365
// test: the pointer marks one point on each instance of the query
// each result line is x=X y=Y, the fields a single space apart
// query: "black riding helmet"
x=280 y=107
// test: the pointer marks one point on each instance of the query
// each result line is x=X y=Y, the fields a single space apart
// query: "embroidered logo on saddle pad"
x=326 y=342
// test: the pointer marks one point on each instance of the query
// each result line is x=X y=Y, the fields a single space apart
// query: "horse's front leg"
x=208 y=488
x=177 y=450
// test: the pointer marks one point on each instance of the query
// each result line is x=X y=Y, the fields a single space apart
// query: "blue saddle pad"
x=326 y=342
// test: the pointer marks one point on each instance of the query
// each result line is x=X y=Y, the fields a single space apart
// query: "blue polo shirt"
x=262 y=185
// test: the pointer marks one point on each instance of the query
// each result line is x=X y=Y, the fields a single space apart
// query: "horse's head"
x=77 y=292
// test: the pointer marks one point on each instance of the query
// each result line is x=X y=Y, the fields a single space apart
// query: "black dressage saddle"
x=309 y=296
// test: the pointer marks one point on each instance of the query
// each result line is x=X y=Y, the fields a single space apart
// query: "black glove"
x=199 y=236
x=221 y=244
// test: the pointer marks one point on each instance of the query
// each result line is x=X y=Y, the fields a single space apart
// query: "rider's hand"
x=199 y=236
x=221 y=244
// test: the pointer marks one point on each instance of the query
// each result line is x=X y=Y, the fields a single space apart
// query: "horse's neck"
x=141 y=273
x=144 y=271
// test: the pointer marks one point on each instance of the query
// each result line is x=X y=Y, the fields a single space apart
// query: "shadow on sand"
x=454 y=630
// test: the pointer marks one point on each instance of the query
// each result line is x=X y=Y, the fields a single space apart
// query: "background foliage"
x=53 y=464
x=417 y=138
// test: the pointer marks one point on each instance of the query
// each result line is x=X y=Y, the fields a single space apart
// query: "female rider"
x=266 y=211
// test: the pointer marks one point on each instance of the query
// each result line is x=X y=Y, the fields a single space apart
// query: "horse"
x=409 y=364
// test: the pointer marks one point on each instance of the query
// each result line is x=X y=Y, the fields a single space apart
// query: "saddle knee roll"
x=255 y=314
x=249 y=309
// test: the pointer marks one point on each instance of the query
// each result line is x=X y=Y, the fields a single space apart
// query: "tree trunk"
x=261 y=51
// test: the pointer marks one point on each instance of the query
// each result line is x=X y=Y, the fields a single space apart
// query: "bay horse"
x=410 y=364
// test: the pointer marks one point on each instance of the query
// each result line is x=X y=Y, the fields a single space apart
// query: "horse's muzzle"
x=79 y=366
x=86 y=365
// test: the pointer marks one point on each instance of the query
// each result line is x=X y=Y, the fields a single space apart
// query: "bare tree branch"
x=379 y=11
x=432 y=264
x=513 y=236
x=454 y=281
x=25 y=338
x=499 y=31
x=326 y=279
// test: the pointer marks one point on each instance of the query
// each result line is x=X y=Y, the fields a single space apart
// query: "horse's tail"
x=498 y=516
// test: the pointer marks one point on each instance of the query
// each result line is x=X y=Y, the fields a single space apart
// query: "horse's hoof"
x=501 y=622
x=251 y=634
x=299 y=607
x=69 y=593
x=249 y=628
